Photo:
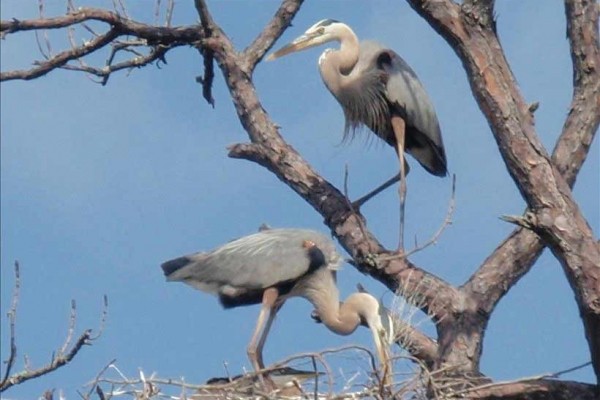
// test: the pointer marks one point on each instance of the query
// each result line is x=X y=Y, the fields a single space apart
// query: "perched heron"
x=378 y=89
x=273 y=265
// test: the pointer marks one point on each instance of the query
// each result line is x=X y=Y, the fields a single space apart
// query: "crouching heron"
x=378 y=89
x=273 y=265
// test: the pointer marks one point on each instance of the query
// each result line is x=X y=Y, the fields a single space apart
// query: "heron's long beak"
x=383 y=336
x=300 y=43
x=383 y=355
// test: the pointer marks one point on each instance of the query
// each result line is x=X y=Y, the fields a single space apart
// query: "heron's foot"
x=371 y=259
x=391 y=255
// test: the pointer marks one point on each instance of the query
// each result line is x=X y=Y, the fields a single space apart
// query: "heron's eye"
x=321 y=31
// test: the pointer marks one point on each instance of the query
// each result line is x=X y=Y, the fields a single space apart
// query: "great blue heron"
x=378 y=89
x=273 y=265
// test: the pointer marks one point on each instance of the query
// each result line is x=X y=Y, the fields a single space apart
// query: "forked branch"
x=61 y=357
x=558 y=219
x=158 y=39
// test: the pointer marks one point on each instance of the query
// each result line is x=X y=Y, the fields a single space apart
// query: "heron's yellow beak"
x=383 y=338
x=303 y=42
x=383 y=355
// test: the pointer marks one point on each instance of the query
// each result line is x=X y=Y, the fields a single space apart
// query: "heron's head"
x=378 y=319
x=323 y=31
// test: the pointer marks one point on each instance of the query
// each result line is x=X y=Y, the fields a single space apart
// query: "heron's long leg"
x=265 y=332
x=399 y=127
x=260 y=332
x=356 y=204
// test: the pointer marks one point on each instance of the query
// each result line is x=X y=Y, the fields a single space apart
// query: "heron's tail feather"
x=172 y=266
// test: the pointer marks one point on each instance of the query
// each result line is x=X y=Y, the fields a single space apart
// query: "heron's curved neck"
x=342 y=319
x=337 y=64
x=322 y=292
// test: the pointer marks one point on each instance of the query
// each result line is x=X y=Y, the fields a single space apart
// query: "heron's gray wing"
x=407 y=95
x=256 y=261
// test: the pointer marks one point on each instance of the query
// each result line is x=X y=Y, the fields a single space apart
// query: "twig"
x=160 y=39
x=62 y=58
x=12 y=316
x=156 y=12
x=351 y=205
x=207 y=79
x=434 y=239
x=169 y=13
x=94 y=383
x=59 y=359
x=71 y=329
x=274 y=29
x=102 y=319
x=46 y=38
x=314 y=365
x=119 y=4
x=447 y=221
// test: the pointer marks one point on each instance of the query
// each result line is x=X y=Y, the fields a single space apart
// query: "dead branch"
x=273 y=31
x=159 y=40
x=437 y=234
x=363 y=383
x=12 y=316
x=62 y=58
x=59 y=359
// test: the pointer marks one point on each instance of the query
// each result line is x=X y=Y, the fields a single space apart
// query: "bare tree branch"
x=557 y=218
x=156 y=54
x=56 y=363
x=62 y=357
x=61 y=59
x=12 y=316
x=537 y=389
x=582 y=121
x=161 y=39
x=517 y=254
x=269 y=35
x=125 y=26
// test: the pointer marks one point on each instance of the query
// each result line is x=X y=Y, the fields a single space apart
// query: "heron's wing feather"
x=256 y=261
x=407 y=95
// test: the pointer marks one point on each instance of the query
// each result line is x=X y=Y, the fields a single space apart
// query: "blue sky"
x=102 y=184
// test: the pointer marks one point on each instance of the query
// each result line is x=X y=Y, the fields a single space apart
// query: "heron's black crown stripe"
x=327 y=22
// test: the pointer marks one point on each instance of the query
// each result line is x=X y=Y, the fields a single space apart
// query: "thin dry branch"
x=269 y=35
x=159 y=39
x=12 y=317
x=156 y=54
x=436 y=235
x=59 y=359
x=62 y=58
x=364 y=382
